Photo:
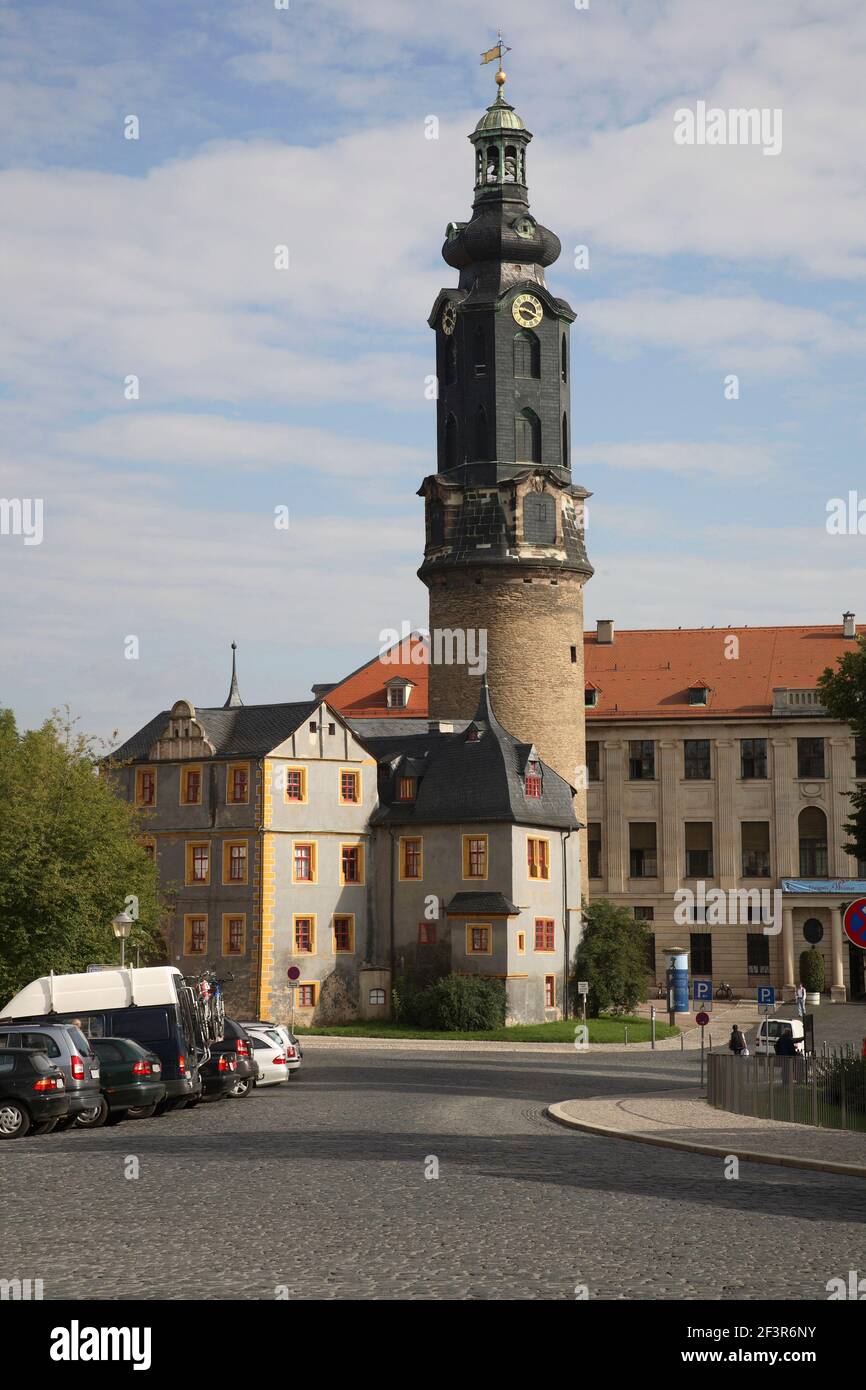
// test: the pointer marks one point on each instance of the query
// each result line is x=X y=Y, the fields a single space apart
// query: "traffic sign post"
x=702 y=993
x=854 y=923
x=293 y=974
x=702 y=1019
x=766 y=998
x=583 y=991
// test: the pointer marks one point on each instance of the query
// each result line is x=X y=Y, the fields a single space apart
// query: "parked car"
x=237 y=1043
x=294 y=1053
x=154 y=1006
x=66 y=1047
x=33 y=1093
x=771 y=1029
x=131 y=1078
x=219 y=1075
x=270 y=1056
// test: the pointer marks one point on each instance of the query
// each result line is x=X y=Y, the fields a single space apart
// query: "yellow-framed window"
x=304 y=934
x=235 y=861
x=538 y=857
x=411 y=858
x=237 y=784
x=475 y=856
x=350 y=786
x=521 y=943
x=148 y=844
x=545 y=934
x=479 y=939
x=195 y=934
x=296 y=786
x=190 y=786
x=307 y=994
x=351 y=865
x=343 y=928
x=550 y=991
x=197 y=862
x=305 y=865
x=145 y=786
x=234 y=933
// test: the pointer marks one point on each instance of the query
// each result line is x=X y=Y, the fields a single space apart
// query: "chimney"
x=321 y=690
x=604 y=632
x=439 y=726
x=849 y=625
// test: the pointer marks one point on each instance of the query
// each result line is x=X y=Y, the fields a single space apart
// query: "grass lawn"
x=601 y=1030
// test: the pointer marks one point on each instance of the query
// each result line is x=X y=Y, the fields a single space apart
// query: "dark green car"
x=130 y=1079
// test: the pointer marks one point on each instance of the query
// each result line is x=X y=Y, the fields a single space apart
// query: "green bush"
x=812 y=970
x=454 y=1004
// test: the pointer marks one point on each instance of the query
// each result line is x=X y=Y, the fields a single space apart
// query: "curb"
x=818 y=1165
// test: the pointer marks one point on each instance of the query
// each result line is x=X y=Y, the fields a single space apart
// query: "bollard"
x=682 y=1041
x=625 y=1025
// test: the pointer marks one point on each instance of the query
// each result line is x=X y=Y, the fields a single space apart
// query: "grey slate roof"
x=238 y=731
x=466 y=780
x=481 y=905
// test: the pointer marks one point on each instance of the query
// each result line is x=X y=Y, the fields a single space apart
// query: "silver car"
x=280 y=1034
x=66 y=1047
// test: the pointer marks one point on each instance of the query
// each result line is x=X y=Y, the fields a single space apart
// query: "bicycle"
x=724 y=991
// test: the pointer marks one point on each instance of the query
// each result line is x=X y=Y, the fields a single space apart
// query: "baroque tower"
x=505 y=550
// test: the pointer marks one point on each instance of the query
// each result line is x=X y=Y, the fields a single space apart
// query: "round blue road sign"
x=854 y=922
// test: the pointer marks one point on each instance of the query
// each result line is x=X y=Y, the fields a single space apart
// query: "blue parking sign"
x=702 y=990
x=766 y=996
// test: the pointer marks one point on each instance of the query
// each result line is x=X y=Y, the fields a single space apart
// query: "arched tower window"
x=510 y=164
x=528 y=437
x=481 y=433
x=527 y=354
x=539 y=518
x=451 y=442
x=564 y=368
x=450 y=361
x=492 y=164
x=565 y=458
x=480 y=352
x=479 y=167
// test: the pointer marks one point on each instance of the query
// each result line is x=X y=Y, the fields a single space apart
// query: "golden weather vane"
x=496 y=52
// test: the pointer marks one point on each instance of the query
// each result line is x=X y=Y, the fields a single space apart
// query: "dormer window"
x=397 y=693
x=699 y=695
x=407 y=788
x=532 y=780
x=472 y=734
x=590 y=697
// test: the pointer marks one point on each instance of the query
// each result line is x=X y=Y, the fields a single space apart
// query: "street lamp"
x=121 y=926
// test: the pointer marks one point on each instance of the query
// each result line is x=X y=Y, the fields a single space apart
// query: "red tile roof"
x=645 y=673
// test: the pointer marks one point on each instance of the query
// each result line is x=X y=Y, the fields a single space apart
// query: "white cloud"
x=709 y=459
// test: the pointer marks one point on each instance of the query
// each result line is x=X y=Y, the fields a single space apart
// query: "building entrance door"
x=857 y=965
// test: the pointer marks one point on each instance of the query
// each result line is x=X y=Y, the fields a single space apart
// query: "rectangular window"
x=351 y=863
x=190 y=786
x=810 y=757
x=198 y=861
x=406 y=791
x=700 y=953
x=643 y=858
x=344 y=935
x=641 y=760
x=350 y=787
x=697 y=759
x=426 y=933
x=756 y=848
x=296 y=784
x=238 y=783
x=474 y=856
x=644 y=914
x=303 y=862
x=699 y=849
x=234 y=935
x=753 y=759
x=538 y=858
x=478 y=941
x=149 y=847
x=593 y=848
x=305 y=936
x=411 y=858
x=758 y=953
x=521 y=943
x=307 y=995
x=593 y=769
x=194 y=936
x=860 y=757
x=550 y=991
x=145 y=786
x=234 y=861
x=532 y=781
x=545 y=934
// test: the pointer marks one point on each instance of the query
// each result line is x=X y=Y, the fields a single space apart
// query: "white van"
x=771 y=1029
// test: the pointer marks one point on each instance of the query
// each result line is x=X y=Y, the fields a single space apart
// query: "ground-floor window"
x=701 y=952
x=550 y=991
x=758 y=953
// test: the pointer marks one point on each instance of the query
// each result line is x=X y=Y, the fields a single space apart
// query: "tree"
x=612 y=958
x=843 y=694
x=70 y=857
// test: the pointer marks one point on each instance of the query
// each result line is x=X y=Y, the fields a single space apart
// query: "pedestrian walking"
x=801 y=999
x=737 y=1042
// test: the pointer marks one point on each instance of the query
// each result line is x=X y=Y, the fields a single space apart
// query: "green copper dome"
x=500 y=116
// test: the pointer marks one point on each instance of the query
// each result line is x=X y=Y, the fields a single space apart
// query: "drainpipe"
x=565 y=835
x=392 y=948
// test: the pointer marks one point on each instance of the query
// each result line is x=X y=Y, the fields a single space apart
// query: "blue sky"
x=305 y=388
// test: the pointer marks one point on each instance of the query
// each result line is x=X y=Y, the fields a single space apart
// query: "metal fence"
x=827 y=1090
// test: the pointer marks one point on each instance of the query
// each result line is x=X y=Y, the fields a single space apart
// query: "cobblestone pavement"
x=320 y=1186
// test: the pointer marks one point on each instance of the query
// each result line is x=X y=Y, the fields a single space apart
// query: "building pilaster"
x=670 y=838
x=726 y=825
x=841 y=782
x=613 y=849
x=788 y=982
x=837 y=982
x=787 y=840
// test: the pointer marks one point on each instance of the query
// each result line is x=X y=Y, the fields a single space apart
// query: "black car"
x=234 y=1045
x=131 y=1078
x=32 y=1093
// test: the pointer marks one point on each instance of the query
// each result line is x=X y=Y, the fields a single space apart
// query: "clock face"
x=449 y=319
x=527 y=311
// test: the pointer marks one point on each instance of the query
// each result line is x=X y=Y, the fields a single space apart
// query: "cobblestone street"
x=320 y=1186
